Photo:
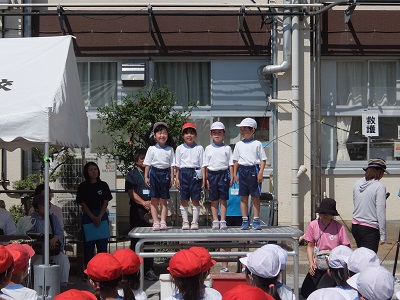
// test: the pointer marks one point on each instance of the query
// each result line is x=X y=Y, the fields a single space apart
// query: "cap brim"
x=352 y=281
x=29 y=249
x=243 y=260
x=213 y=262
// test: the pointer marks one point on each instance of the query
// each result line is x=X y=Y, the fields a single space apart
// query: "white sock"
x=196 y=213
x=184 y=213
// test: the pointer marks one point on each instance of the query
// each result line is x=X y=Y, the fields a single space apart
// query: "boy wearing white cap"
x=373 y=283
x=337 y=268
x=218 y=167
x=360 y=259
x=249 y=159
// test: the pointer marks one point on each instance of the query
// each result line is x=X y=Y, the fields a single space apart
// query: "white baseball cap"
x=263 y=263
x=248 y=122
x=339 y=257
x=217 y=125
x=282 y=253
x=374 y=283
x=329 y=294
x=362 y=258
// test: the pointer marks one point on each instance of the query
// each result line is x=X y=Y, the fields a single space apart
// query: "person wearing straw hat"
x=21 y=254
x=369 y=214
x=323 y=235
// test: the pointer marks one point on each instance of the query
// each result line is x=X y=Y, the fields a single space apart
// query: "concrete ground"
x=386 y=254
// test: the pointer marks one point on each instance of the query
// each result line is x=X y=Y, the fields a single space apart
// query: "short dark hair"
x=188 y=130
x=138 y=154
x=86 y=172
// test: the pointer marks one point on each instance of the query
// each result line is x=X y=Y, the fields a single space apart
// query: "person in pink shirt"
x=324 y=233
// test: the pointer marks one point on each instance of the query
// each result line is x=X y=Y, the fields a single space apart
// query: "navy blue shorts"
x=160 y=180
x=219 y=185
x=190 y=185
x=248 y=184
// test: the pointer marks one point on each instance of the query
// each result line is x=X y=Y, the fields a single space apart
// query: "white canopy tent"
x=41 y=101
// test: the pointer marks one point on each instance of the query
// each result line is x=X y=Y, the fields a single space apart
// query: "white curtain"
x=190 y=81
x=351 y=81
x=342 y=133
x=98 y=82
x=382 y=91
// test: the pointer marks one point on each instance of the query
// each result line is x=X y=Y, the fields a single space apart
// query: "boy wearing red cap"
x=130 y=263
x=189 y=175
x=73 y=294
x=186 y=268
x=246 y=292
x=15 y=290
x=206 y=263
x=105 y=275
x=6 y=267
x=218 y=168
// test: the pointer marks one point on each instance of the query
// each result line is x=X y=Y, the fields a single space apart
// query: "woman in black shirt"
x=93 y=195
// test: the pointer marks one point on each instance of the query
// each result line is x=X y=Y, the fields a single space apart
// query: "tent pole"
x=46 y=205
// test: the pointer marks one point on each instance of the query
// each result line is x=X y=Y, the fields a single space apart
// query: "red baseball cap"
x=21 y=254
x=246 y=292
x=206 y=261
x=188 y=125
x=184 y=264
x=103 y=267
x=75 y=294
x=129 y=260
x=6 y=259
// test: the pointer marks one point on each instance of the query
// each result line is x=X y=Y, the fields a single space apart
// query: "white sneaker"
x=185 y=226
x=215 y=225
x=194 y=226
x=224 y=270
x=222 y=225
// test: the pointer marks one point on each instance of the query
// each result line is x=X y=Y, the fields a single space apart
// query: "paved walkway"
x=386 y=254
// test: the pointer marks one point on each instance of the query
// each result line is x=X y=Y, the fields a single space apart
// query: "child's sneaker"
x=163 y=226
x=215 y=225
x=194 y=226
x=185 y=226
x=224 y=270
x=245 y=225
x=222 y=225
x=156 y=227
x=256 y=224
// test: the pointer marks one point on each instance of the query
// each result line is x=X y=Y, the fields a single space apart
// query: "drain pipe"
x=295 y=119
x=287 y=46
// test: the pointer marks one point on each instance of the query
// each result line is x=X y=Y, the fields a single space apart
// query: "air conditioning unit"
x=133 y=74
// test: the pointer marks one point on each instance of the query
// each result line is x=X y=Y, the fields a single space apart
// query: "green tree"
x=129 y=123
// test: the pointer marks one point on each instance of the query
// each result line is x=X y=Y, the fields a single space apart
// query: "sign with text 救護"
x=370 y=125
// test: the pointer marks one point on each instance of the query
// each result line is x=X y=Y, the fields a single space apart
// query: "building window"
x=191 y=81
x=359 y=86
x=98 y=82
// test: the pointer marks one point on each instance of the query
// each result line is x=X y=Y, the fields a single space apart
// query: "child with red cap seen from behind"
x=206 y=263
x=130 y=263
x=186 y=273
x=73 y=294
x=105 y=277
x=159 y=165
x=6 y=267
x=189 y=175
x=218 y=170
x=246 y=292
x=15 y=290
